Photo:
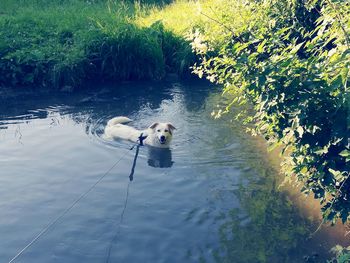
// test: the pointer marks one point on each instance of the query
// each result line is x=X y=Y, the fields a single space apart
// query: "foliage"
x=342 y=254
x=290 y=62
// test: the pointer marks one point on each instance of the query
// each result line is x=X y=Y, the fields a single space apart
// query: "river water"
x=213 y=197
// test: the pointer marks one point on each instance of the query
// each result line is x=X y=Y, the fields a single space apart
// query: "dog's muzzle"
x=162 y=139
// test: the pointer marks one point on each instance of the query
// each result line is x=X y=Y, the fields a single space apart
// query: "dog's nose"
x=162 y=138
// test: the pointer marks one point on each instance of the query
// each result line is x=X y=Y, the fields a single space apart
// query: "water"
x=211 y=198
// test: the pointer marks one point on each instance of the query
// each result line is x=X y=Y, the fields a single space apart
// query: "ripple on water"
x=206 y=198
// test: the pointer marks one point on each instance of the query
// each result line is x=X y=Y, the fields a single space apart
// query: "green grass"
x=69 y=42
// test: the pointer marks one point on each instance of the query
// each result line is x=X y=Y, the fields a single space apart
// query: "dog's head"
x=163 y=133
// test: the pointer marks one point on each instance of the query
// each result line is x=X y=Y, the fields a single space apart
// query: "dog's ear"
x=171 y=127
x=153 y=125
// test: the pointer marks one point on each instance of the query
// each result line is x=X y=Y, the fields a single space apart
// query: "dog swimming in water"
x=158 y=134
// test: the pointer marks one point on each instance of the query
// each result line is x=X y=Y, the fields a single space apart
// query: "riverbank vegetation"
x=66 y=43
x=290 y=59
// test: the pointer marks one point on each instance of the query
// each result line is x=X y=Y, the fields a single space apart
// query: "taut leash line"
x=131 y=178
x=54 y=221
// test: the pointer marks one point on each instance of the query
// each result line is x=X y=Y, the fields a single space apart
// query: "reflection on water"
x=212 y=197
x=269 y=228
x=159 y=157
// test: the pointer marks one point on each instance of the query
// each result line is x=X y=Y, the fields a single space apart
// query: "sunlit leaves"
x=296 y=79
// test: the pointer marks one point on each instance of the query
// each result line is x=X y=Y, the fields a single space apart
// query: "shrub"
x=294 y=72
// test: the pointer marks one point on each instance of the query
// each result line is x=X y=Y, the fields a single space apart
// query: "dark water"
x=211 y=198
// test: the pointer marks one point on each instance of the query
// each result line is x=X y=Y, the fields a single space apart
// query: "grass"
x=217 y=18
x=66 y=43
x=69 y=42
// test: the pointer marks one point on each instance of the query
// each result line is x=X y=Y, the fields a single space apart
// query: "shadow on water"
x=224 y=204
x=159 y=158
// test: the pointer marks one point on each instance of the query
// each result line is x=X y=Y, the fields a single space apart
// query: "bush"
x=295 y=72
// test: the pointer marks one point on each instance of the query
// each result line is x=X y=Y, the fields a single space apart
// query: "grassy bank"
x=69 y=42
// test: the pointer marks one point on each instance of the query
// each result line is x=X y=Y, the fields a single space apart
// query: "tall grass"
x=68 y=42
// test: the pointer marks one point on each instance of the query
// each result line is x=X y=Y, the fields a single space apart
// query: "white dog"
x=157 y=135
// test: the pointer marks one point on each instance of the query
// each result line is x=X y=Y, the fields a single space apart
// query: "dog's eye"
x=166 y=130
x=158 y=130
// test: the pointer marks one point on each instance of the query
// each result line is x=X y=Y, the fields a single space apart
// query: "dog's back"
x=116 y=129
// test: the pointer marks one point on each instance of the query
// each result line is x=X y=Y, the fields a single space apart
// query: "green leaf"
x=334 y=172
x=296 y=48
x=345 y=153
x=261 y=46
x=300 y=130
x=345 y=75
x=304 y=170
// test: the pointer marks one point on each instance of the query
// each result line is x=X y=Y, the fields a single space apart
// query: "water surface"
x=212 y=197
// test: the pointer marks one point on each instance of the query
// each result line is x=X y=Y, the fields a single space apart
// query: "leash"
x=139 y=143
x=140 y=140
x=131 y=178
